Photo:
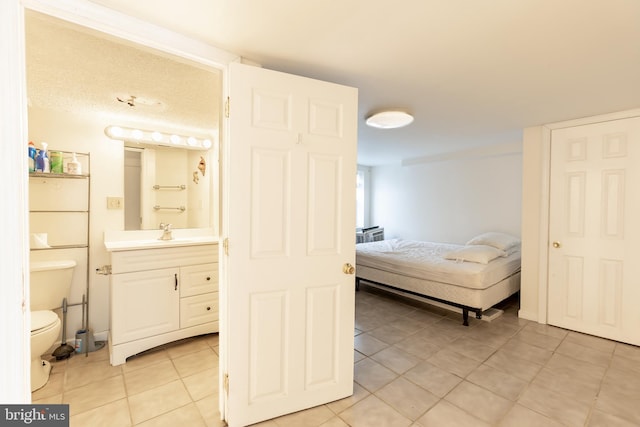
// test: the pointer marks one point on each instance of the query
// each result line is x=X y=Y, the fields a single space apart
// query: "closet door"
x=594 y=233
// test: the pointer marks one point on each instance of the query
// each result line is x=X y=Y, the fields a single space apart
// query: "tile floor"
x=175 y=384
x=415 y=365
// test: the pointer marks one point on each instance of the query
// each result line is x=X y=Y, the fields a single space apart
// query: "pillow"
x=498 y=240
x=512 y=250
x=481 y=254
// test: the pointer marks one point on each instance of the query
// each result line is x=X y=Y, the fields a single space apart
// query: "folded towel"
x=39 y=241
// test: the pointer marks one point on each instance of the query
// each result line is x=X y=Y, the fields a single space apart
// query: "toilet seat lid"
x=42 y=319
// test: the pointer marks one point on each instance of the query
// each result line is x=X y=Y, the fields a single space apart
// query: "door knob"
x=348 y=269
x=556 y=245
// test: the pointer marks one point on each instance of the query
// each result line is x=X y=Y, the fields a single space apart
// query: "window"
x=363 y=196
x=360 y=203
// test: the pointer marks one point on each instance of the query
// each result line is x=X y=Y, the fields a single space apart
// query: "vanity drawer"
x=198 y=279
x=198 y=309
x=152 y=259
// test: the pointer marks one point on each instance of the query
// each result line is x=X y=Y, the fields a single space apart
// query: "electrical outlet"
x=114 y=202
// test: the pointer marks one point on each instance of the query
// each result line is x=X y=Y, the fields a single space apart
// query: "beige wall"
x=450 y=198
x=532 y=179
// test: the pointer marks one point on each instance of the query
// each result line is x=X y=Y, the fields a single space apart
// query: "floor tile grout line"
x=592 y=407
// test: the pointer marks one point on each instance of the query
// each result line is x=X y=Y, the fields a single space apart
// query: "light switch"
x=115 y=202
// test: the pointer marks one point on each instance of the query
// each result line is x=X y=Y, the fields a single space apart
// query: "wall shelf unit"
x=59 y=226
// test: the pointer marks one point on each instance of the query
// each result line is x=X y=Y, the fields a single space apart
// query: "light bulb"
x=114 y=132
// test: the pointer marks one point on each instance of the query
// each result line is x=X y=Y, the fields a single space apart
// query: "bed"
x=472 y=277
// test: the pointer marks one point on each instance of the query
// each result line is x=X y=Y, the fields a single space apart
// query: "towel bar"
x=179 y=208
x=177 y=187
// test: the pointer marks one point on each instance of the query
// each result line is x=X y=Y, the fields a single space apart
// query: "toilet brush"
x=65 y=350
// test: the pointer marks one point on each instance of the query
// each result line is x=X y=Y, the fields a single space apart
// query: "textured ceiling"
x=473 y=73
x=70 y=69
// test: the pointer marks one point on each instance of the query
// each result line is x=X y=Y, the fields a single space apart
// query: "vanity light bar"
x=157 y=138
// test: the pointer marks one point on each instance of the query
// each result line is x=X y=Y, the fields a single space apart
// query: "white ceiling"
x=472 y=72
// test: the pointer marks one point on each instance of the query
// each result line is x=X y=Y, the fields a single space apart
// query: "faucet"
x=166 y=231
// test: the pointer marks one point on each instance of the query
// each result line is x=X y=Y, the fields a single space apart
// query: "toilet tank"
x=50 y=282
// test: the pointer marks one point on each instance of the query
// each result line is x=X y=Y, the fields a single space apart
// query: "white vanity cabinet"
x=160 y=295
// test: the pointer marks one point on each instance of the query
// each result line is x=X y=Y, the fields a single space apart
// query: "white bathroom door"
x=594 y=233
x=289 y=303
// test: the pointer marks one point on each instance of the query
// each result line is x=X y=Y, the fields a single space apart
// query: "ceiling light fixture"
x=134 y=101
x=157 y=138
x=389 y=119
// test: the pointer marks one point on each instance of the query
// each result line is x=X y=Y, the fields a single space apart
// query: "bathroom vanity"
x=160 y=291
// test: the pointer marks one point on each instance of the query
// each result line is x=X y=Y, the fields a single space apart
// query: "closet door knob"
x=556 y=245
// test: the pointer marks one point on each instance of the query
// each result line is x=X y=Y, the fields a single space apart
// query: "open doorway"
x=132 y=182
x=70 y=110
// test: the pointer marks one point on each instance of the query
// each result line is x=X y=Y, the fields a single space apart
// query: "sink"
x=124 y=241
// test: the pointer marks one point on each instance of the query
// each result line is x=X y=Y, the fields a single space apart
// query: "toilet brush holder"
x=65 y=350
x=85 y=341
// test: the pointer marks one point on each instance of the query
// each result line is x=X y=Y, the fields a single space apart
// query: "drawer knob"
x=208 y=308
x=208 y=278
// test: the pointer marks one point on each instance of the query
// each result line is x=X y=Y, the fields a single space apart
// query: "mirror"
x=77 y=70
x=166 y=185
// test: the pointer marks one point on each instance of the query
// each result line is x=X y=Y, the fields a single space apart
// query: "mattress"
x=425 y=261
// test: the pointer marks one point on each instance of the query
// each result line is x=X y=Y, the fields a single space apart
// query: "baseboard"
x=527 y=315
x=100 y=336
x=491 y=314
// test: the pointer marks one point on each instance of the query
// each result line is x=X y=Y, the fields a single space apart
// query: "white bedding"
x=425 y=260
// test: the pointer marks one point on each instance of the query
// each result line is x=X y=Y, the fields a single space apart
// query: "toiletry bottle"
x=56 y=162
x=42 y=160
x=74 y=167
x=46 y=166
x=32 y=156
x=39 y=162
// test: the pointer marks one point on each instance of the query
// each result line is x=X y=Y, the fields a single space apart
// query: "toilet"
x=50 y=284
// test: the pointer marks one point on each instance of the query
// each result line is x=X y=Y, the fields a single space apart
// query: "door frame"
x=14 y=105
x=545 y=191
x=15 y=364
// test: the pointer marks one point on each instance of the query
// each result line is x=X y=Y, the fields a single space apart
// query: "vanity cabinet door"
x=144 y=304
